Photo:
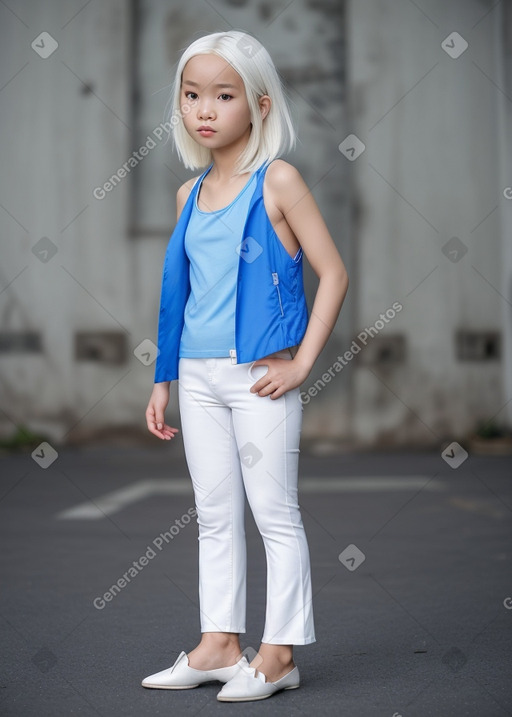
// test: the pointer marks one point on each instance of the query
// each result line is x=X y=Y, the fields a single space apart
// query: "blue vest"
x=271 y=312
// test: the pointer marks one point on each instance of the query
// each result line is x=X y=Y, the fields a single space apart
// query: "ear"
x=265 y=103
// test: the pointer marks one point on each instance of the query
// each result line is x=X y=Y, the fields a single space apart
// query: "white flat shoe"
x=183 y=677
x=246 y=685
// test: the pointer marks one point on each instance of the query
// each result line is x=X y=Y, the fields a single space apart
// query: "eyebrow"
x=221 y=84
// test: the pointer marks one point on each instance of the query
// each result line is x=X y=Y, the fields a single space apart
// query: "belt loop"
x=232 y=353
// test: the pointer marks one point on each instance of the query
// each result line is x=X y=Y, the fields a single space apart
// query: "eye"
x=225 y=96
x=190 y=93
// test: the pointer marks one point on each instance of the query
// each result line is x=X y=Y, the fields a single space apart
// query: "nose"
x=204 y=109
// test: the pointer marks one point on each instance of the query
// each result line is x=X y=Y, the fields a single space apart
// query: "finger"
x=155 y=431
x=165 y=433
x=150 y=419
x=261 y=383
x=264 y=378
x=265 y=390
x=277 y=393
x=159 y=418
x=153 y=423
x=171 y=428
x=259 y=386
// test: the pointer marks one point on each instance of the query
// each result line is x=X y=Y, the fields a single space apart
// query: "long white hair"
x=269 y=137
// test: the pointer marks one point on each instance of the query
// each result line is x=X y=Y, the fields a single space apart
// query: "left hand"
x=282 y=376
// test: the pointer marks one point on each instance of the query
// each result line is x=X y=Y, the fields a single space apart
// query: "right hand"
x=155 y=412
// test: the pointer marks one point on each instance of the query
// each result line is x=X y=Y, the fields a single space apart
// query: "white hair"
x=247 y=56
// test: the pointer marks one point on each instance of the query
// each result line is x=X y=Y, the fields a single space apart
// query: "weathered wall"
x=435 y=166
x=429 y=176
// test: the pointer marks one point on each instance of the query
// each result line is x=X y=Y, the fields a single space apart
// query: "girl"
x=234 y=329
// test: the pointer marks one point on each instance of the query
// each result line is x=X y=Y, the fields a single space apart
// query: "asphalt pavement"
x=411 y=572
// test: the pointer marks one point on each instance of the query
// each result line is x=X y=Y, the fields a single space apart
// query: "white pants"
x=238 y=443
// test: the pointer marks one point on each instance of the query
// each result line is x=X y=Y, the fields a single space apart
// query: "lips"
x=205 y=128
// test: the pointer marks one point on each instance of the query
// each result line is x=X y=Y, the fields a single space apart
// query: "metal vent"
x=383 y=350
x=101 y=347
x=478 y=345
x=14 y=342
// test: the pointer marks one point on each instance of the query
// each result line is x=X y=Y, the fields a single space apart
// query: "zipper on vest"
x=233 y=352
x=275 y=279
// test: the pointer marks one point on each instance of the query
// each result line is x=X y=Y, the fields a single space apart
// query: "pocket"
x=257 y=372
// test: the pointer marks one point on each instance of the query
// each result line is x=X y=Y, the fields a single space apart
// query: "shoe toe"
x=178 y=676
x=165 y=678
x=247 y=685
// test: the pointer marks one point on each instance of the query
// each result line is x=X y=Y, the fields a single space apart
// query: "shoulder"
x=280 y=173
x=284 y=183
x=186 y=188
x=183 y=193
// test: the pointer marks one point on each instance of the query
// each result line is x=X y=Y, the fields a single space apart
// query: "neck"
x=224 y=159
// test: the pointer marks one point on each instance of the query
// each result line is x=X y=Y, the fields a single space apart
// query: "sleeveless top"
x=211 y=242
x=271 y=312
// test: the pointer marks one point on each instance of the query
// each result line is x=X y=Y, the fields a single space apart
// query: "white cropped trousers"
x=240 y=444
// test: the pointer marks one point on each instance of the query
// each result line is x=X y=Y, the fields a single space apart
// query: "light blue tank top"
x=211 y=242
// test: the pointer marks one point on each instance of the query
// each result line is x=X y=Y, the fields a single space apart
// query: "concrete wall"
x=434 y=167
x=65 y=126
x=430 y=172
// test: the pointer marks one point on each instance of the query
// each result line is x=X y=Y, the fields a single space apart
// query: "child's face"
x=209 y=102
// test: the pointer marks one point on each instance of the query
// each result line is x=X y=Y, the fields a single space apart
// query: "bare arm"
x=292 y=197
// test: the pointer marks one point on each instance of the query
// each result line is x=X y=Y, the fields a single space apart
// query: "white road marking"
x=368 y=484
x=115 y=501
